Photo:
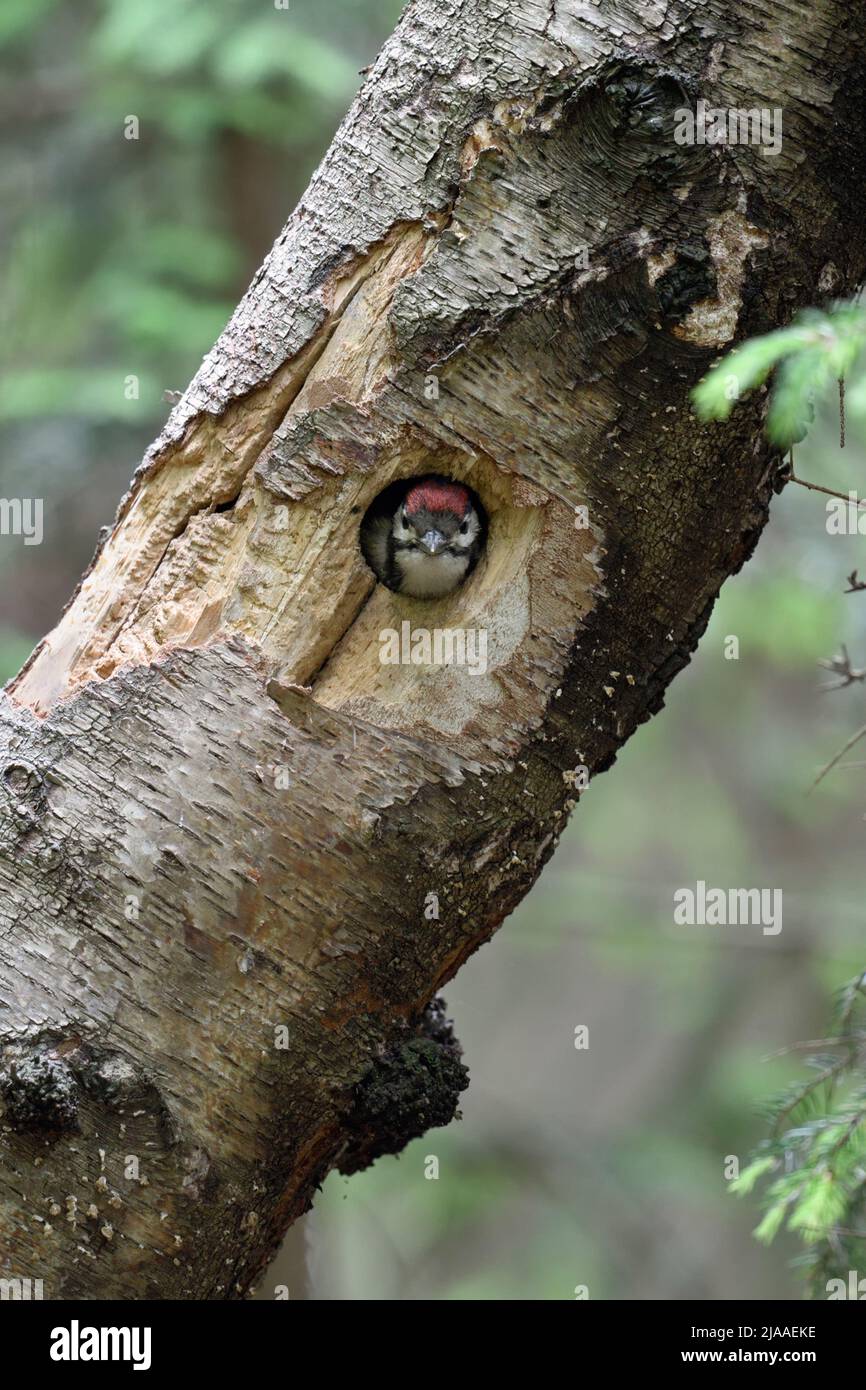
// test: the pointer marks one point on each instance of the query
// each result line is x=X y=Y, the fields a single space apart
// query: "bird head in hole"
x=424 y=537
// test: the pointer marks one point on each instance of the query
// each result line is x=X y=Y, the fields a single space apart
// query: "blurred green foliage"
x=812 y=1167
x=122 y=259
x=816 y=1153
x=816 y=349
x=128 y=255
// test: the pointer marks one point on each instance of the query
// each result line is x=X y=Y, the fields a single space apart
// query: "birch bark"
x=238 y=855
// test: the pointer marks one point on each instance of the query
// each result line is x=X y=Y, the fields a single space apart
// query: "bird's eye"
x=464 y=527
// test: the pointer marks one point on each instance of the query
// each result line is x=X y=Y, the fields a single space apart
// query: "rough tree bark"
x=168 y=903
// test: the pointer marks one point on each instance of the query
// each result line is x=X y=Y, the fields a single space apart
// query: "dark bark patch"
x=52 y=1085
x=413 y=1088
x=41 y=1096
x=690 y=279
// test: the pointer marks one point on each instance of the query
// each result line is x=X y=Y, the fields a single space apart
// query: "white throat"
x=431 y=576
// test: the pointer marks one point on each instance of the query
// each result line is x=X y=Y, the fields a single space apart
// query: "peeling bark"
x=221 y=815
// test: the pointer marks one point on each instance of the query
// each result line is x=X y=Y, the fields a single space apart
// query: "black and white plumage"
x=423 y=537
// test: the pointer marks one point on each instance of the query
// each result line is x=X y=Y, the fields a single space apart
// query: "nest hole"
x=431 y=550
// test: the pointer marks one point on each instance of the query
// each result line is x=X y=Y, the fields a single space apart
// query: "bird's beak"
x=433 y=542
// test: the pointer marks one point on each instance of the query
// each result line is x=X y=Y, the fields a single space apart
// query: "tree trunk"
x=239 y=855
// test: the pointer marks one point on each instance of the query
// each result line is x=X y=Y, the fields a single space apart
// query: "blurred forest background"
x=601 y=1167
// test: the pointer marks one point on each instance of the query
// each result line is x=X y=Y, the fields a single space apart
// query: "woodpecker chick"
x=424 y=537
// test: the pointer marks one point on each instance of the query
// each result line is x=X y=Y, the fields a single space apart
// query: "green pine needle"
x=814 y=352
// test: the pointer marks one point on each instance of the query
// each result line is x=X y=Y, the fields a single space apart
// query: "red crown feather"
x=435 y=496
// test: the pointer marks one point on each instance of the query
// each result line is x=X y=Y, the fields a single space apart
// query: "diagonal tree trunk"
x=239 y=855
